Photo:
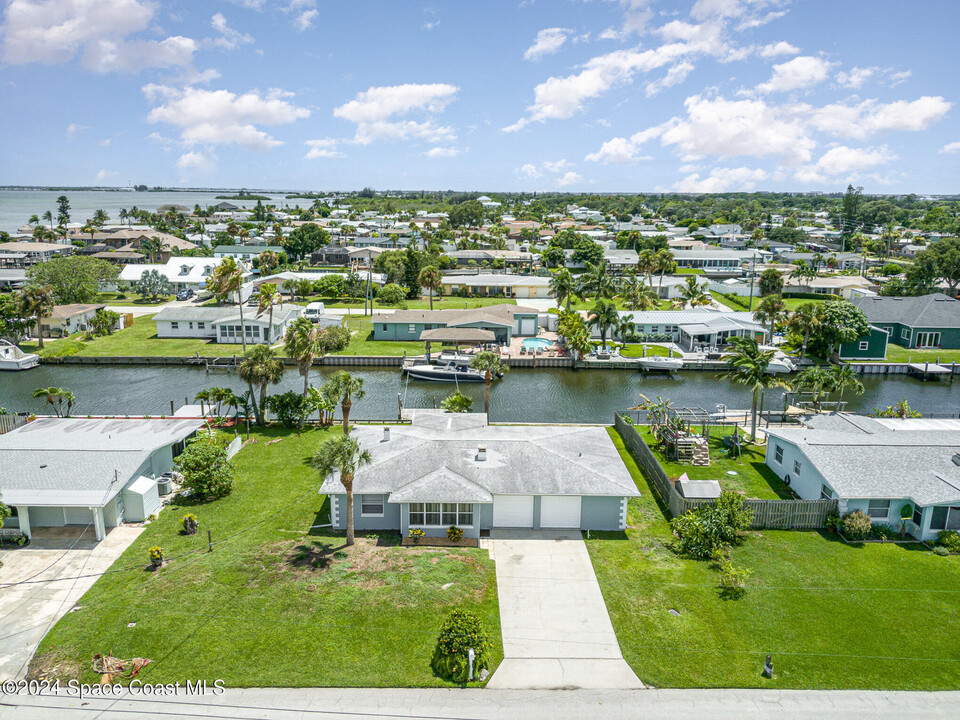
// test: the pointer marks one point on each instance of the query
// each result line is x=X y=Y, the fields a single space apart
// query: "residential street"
x=453 y=704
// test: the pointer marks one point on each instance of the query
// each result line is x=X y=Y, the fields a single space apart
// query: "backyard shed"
x=140 y=499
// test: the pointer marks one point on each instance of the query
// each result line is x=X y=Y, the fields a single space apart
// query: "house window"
x=201 y=325
x=945 y=518
x=918 y=516
x=778 y=453
x=905 y=333
x=411 y=328
x=888 y=331
x=174 y=325
x=796 y=467
x=928 y=339
x=864 y=344
x=825 y=492
x=878 y=509
x=384 y=328
x=190 y=325
x=371 y=506
x=441 y=514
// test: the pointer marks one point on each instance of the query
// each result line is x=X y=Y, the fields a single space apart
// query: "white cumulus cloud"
x=197 y=160
x=801 y=72
x=547 y=42
x=950 y=148
x=304 y=20
x=568 y=178
x=442 y=152
x=377 y=112
x=229 y=38
x=721 y=180
x=778 y=48
x=323 y=149
x=855 y=76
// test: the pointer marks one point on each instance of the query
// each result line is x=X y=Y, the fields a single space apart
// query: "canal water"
x=523 y=395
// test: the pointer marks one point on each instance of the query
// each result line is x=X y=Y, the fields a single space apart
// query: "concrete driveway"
x=556 y=629
x=30 y=610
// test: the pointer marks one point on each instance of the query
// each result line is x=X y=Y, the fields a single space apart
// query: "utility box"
x=141 y=499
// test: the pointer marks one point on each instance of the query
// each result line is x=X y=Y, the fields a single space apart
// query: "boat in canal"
x=450 y=372
x=13 y=358
x=661 y=363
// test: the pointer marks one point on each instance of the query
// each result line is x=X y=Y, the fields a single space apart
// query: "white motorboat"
x=13 y=358
x=781 y=364
x=659 y=362
x=450 y=372
x=457 y=358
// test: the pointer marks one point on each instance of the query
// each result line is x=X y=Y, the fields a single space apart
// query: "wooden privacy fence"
x=767 y=514
x=11 y=422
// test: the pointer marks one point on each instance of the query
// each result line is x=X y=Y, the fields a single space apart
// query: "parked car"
x=185 y=294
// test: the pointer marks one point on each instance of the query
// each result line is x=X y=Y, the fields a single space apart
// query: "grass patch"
x=635 y=350
x=753 y=477
x=793 y=303
x=276 y=603
x=811 y=601
x=362 y=342
x=132 y=299
x=899 y=354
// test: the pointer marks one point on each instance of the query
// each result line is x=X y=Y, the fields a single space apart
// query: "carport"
x=458 y=336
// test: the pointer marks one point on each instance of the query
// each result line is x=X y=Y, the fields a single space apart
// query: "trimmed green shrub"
x=416 y=534
x=206 y=469
x=940 y=550
x=856 y=526
x=833 y=521
x=461 y=631
x=950 y=539
x=705 y=532
x=454 y=533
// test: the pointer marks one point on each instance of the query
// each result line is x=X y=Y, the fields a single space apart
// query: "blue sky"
x=577 y=95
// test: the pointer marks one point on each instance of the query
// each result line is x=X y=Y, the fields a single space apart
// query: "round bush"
x=461 y=631
x=856 y=526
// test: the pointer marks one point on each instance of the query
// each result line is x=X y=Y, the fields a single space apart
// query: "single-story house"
x=330 y=255
x=928 y=321
x=846 y=286
x=718 y=261
x=246 y=253
x=872 y=346
x=25 y=254
x=511 y=258
x=71 y=471
x=185 y=273
x=455 y=469
x=222 y=324
x=515 y=286
x=504 y=321
x=12 y=278
x=695 y=327
x=875 y=465
x=66 y=319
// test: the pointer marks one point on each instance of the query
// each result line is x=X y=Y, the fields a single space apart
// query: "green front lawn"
x=362 y=342
x=276 y=603
x=834 y=616
x=753 y=477
x=899 y=354
x=131 y=299
x=793 y=303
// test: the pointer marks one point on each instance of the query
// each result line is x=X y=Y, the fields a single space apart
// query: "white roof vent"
x=386 y=434
x=956 y=458
x=481 y=453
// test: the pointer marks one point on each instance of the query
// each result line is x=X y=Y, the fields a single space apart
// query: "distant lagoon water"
x=16 y=206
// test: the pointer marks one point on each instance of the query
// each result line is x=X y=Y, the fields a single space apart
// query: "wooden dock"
x=928 y=371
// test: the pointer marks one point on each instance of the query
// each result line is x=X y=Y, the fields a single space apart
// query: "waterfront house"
x=693 y=328
x=716 y=262
x=66 y=319
x=448 y=469
x=25 y=254
x=925 y=322
x=100 y=473
x=504 y=321
x=508 y=286
x=876 y=465
x=222 y=324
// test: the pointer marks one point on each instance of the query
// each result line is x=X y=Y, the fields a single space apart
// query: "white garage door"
x=513 y=511
x=527 y=326
x=560 y=511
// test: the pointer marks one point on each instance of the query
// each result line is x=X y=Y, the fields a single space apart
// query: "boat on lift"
x=13 y=358
x=659 y=362
x=450 y=372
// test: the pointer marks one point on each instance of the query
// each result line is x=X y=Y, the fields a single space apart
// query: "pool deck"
x=517 y=342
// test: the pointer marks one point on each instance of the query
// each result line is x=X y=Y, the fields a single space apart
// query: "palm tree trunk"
x=270 y=326
x=253 y=401
x=430 y=292
x=263 y=402
x=486 y=392
x=803 y=349
x=243 y=328
x=345 y=409
x=39 y=333
x=753 y=418
x=348 y=486
x=305 y=371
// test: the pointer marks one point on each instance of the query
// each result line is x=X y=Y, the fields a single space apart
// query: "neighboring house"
x=330 y=255
x=845 y=286
x=185 y=273
x=928 y=321
x=872 y=346
x=875 y=465
x=454 y=469
x=511 y=258
x=695 y=327
x=717 y=261
x=12 y=278
x=25 y=254
x=222 y=324
x=119 y=257
x=66 y=319
x=504 y=321
x=71 y=471
x=510 y=286
x=246 y=253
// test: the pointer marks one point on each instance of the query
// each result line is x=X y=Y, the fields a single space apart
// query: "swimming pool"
x=537 y=343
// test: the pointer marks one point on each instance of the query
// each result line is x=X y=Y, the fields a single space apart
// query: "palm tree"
x=598 y=282
x=227 y=278
x=815 y=380
x=48 y=216
x=346 y=387
x=37 y=302
x=342 y=454
x=34 y=220
x=604 y=315
x=636 y=295
x=772 y=309
x=490 y=363
x=806 y=320
x=268 y=261
x=748 y=366
x=301 y=344
x=259 y=368
x=267 y=297
x=153 y=247
x=123 y=214
x=802 y=271
x=562 y=287
x=431 y=279
x=844 y=377
x=692 y=294
x=647 y=264
x=57 y=397
x=665 y=263
x=626 y=327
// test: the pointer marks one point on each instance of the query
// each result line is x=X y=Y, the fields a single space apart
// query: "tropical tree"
x=692 y=294
x=48 y=216
x=430 y=278
x=216 y=397
x=604 y=316
x=563 y=287
x=626 y=327
x=748 y=366
x=226 y=279
x=63 y=210
x=803 y=272
x=302 y=344
x=457 y=403
x=267 y=261
x=345 y=387
x=152 y=247
x=636 y=295
x=490 y=363
x=815 y=380
x=572 y=329
x=597 y=281
x=267 y=297
x=771 y=282
x=844 y=377
x=154 y=284
x=648 y=264
x=772 y=309
x=665 y=263
x=259 y=368
x=37 y=302
x=344 y=455
x=804 y=321
x=57 y=397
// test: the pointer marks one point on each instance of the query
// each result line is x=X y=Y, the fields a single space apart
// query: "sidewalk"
x=454 y=704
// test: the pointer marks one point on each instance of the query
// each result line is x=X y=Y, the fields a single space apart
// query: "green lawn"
x=636 y=350
x=793 y=303
x=361 y=342
x=131 y=299
x=753 y=477
x=444 y=303
x=834 y=616
x=899 y=354
x=258 y=610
